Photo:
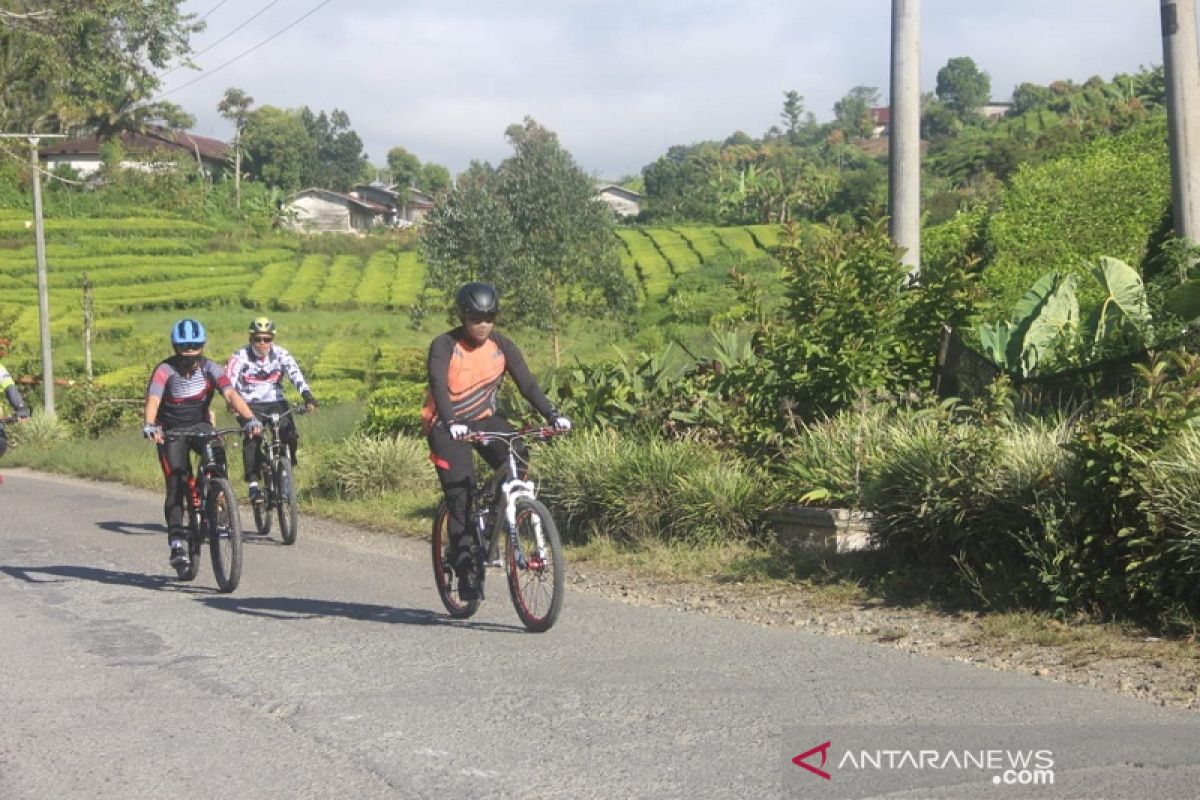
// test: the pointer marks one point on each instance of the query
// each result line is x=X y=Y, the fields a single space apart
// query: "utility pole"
x=1181 y=63
x=39 y=234
x=904 y=134
x=88 y=318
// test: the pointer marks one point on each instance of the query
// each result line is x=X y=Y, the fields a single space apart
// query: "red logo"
x=824 y=750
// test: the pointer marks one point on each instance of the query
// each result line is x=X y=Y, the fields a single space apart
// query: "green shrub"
x=94 y=410
x=1106 y=199
x=962 y=499
x=364 y=467
x=394 y=410
x=599 y=484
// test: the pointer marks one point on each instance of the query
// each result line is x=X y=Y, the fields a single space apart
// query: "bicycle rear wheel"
x=443 y=571
x=534 y=563
x=285 y=501
x=224 y=534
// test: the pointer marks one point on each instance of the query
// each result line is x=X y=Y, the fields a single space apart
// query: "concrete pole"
x=39 y=235
x=904 y=133
x=1181 y=63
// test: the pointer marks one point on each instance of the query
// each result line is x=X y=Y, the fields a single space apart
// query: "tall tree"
x=963 y=87
x=405 y=168
x=470 y=236
x=234 y=106
x=339 y=161
x=66 y=63
x=533 y=227
x=279 y=149
x=568 y=242
x=434 y=178
x=853 y=111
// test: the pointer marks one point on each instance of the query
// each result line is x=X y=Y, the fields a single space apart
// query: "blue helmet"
x=187 y=333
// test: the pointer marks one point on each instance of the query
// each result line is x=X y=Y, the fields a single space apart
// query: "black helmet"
x=477 y=298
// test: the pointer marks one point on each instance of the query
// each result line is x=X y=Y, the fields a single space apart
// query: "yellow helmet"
x=262 y=326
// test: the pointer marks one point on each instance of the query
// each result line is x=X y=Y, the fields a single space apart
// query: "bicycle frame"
x=510 y=490
x=272 y=449
x=207 y=466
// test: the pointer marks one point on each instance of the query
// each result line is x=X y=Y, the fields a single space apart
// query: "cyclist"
x=466 y=366
x=9 y=386
x=257 y=371
x=178 y=398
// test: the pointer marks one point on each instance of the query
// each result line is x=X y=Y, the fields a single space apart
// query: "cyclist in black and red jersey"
x=178 y=398
x=466 y=367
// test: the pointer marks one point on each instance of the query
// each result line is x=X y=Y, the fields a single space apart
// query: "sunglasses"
x=477 y=318
x=262 y=339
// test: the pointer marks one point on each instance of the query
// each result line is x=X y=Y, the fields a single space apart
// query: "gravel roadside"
x=1164 y=672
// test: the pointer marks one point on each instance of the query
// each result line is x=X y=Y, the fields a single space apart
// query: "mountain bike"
x=212 y=512
x=507 y=509
x=275 y=480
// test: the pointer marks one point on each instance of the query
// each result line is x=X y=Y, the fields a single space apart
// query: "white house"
x=324 y=211
x=142 y=150
x=624 y=202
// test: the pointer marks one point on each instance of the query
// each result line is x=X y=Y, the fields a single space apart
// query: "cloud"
x=620 y=82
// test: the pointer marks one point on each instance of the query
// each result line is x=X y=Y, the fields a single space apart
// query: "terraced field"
x=149 y=267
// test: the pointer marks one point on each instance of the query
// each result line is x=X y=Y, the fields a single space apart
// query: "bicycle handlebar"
x=540 y=432
x=277 y=417
x=200 y=434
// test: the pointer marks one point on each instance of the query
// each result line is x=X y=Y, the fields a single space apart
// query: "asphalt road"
x=333 y=672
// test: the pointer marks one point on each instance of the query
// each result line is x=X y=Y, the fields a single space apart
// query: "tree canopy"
x=67 y=64
x=535 y=228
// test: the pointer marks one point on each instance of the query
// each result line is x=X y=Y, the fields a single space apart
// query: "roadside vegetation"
x=750 y=341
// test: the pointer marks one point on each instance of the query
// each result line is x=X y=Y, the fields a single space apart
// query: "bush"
x=364 y=467
x=598 y=484
x=94 y=410
x=1106 y=199
x=963 y=499
x=394 y=410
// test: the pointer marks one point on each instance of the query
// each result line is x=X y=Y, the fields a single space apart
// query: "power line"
x=214 y=8
x=25 y=162
x=252 y=17
x=244 y=53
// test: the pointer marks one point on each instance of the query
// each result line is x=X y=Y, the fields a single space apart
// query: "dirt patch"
x=1165 y=672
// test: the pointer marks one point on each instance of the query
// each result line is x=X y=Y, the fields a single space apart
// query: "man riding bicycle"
x=178 y=398
x=466 y=367
x=257 y=371
x=9 y=387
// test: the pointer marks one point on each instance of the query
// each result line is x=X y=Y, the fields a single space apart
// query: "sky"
x=619 y=81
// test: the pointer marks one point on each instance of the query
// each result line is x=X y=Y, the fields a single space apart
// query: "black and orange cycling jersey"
x=464 y=379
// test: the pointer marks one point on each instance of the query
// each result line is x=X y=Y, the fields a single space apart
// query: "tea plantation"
x=345 y=316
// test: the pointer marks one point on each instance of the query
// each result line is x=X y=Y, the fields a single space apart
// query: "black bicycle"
x=533 y=559
x=276 y=481
x=212 y=511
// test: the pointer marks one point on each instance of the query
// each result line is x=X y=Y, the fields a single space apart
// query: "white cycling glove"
x=562 y=424
x=459 y=432
x=253 y=427
x=150 y=430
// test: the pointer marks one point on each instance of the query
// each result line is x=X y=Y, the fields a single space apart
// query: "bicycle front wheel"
x=534 y=562
x=262 y=510
x=443 y=570
x=224 y=534
x=188 y=572
x=285 y=501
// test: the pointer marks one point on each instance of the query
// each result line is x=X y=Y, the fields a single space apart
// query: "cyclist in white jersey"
x=257 y=372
